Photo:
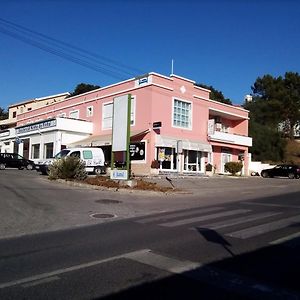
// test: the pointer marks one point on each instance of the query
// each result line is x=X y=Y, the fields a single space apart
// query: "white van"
x=92 y=157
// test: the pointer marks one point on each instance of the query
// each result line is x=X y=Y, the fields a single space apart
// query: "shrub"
x=208 y=167
x=233 y=167
x=155 y=164
x=67 y=168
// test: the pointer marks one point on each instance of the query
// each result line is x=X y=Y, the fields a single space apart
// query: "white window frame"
x=190 y=127
x=74 y=111
x=103 y=105
x=132 y=114
x=89 y=111
x=62 y=115
x=133 y=111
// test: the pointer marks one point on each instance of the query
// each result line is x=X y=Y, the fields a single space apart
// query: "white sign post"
x=121 y=134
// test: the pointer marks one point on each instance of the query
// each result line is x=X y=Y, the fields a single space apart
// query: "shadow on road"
x=272 y=272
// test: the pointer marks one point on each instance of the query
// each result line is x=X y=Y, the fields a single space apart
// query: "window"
x=89 y=111
x=75 y=154
x=74 y=114
x=107 y=113
x=87 y=154
x=14 y=114
x=182 y=114
x=62 y=115
x=132 y=113
x=48 y=150
x=35 y=151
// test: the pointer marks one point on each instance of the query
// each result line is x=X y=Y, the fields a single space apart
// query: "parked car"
x=283 y=170
x=92 y=157
x=14 y=160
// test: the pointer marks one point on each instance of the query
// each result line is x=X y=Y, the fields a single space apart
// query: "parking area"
x=31 y=203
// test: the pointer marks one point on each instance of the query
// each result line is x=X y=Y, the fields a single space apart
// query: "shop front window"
x=167 y=158
x=48 y=151
x=35 y=151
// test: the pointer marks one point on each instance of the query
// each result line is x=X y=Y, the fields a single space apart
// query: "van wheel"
x=2 y=166
x=97 y=170
x=264 y=174
x=291 y=176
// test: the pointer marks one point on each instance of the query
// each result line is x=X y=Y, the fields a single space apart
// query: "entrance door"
x=192 y=161
x=167 y=158
x=26 y=148
x=226 y=157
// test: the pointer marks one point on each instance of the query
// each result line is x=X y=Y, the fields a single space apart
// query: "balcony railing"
x=220 y=136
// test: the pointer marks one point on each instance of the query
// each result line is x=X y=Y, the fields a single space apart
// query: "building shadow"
x=271 y=272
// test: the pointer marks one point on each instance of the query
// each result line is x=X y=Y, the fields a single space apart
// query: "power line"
x=111 y=67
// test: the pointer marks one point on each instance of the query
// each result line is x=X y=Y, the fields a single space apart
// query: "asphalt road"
x=220 y=239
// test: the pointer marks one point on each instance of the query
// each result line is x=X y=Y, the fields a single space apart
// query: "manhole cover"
x=102 y=216
x=108 y=201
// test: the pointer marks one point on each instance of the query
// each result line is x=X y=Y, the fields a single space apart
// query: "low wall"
x=257 y=166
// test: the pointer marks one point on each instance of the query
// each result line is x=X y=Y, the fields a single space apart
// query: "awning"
x=102 y=140
x=163 y=141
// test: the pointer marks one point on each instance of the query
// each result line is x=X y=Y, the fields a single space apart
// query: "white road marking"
x=66 y=270
x=165 y=263
x=42 y=281
x=271 y=204
x=193 y=270
x=264 y=228
x=213 y=276
x=179 y=214
x=205 y=217
x=285 y=239
x=241 y=220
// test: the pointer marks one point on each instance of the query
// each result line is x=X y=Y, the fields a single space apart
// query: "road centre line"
x=270 y=204
x=205 y=217
x=264 y=228
x=66 y=270
x=179 y=214
x=285 y=239
x=193 y=270
x=240 y=220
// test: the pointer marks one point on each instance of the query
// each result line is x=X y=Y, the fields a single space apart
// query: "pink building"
x=191 y=130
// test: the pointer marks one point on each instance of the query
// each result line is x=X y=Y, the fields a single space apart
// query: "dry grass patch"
x=140 y=184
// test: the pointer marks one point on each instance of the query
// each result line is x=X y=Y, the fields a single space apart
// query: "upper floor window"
x=74 y=114
x=182 y=114
x=62 y=115
x=14 y=114
x=89 y=111
x=107 y=114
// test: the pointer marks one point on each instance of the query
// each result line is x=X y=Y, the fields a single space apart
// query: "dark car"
x=284 y=170
x=14 y=160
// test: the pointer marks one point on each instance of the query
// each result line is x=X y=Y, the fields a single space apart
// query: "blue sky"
x=227 y=44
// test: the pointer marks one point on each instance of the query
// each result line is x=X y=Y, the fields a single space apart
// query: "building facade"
x=173 y=122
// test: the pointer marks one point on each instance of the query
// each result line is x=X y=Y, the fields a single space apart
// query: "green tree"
x=278 y=102
x=83 y=88
x=3 y=114
x=215 y=94
x=267 y=143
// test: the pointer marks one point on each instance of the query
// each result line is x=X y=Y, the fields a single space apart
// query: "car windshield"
x=62 y=153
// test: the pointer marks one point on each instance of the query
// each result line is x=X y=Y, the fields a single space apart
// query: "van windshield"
x=62 y=153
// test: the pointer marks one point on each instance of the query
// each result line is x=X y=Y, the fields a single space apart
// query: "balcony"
x=219 y=136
